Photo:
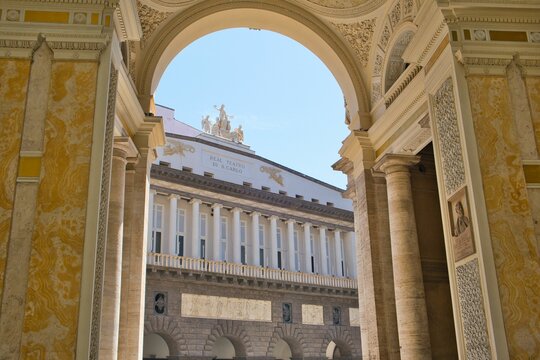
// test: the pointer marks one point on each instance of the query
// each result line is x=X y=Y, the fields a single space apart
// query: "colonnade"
x=324 y=254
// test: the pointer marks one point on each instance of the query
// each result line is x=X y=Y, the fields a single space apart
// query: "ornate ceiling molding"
x=359 y=36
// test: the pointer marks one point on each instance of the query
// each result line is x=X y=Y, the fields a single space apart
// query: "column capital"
x=195 y=201
x=391 y=163
x=236 y=209
x=174 y=196
x=124 y=148
x=255 y=213
x=290 y=221
x=323 y=227
x=307 y=225
x=217 y=206
x=274 y=218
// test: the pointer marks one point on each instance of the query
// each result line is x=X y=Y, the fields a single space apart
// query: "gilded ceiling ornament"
x=150 y=19
x=177 y=148
x=273 y=173
x=359 y=36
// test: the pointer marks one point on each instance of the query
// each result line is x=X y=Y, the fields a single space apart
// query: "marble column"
x=255 y=238
x=216 y=231
x=307 y=246
x=195 y=227
x=322 y=243
x=236 y=235
x=173 y=206
x=110 y=308
x=273 y=242
x=411 y=310
x=290 y=244
x=337 y=250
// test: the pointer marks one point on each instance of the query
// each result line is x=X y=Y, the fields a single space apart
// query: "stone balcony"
x=250 y=275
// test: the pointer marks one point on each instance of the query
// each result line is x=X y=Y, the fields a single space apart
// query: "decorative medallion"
x=273 y=173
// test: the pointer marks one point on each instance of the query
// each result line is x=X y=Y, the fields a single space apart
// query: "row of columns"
x=122 y=307
x=254 y=231
x=400 y=290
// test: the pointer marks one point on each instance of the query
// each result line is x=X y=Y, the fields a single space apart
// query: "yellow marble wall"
x=533 y=89
x=509 y=214
x=50 y=322
x=13 y=85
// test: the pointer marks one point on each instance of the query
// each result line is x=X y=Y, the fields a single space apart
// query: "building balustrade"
x=223 y=267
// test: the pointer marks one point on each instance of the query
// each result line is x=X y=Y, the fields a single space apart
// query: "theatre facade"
x=245 y=252
x=443 y=110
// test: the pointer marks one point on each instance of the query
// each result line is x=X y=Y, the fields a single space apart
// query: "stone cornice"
x=229 y=280
x=226 y=188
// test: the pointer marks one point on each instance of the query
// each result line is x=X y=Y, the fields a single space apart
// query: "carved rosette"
x=359 y=36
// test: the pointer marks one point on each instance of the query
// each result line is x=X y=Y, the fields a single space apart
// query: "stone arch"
x=342 y=337
x=397 y=19
x=183 y=27
x=400 y=39
x=292 y=335
x=169 y=330
x=236 y=334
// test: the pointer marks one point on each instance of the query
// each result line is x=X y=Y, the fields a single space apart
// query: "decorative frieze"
x=359 y=36
x=103 y=215
x=395 y=15
x=449 y=139
x=472 y=311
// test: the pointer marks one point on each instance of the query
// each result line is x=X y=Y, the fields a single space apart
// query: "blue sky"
x=288 y=103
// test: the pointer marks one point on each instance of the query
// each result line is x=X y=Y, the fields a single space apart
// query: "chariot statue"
x=222 y=126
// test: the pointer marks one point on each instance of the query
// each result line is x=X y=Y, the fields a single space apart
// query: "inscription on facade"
x=220 y=307
x=312 y=314
x=226 y=164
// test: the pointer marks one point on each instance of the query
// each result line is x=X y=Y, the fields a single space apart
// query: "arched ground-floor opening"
x=223 y=348
x=155 y=347
x=282 y=350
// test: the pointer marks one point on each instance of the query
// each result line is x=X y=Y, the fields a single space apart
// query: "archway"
x=337 y=349
x=282 y=350
x=223 y=348
x=155 y=347
x=298 y=24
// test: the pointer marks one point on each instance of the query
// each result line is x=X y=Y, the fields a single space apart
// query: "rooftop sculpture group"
x=222 y=126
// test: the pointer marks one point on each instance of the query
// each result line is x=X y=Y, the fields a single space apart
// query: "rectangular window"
x=296 y=254
x=157 y=227
x=203 y=231
x=243 y=231
x=203 y=225
x=278 y=237
x=243 y=239
x=180 y=228
x=342 y=258
x=312 y=252
x=327 y=256
x=261 y=244
x=279 y=260
x=223 y=240
x=203 y=249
